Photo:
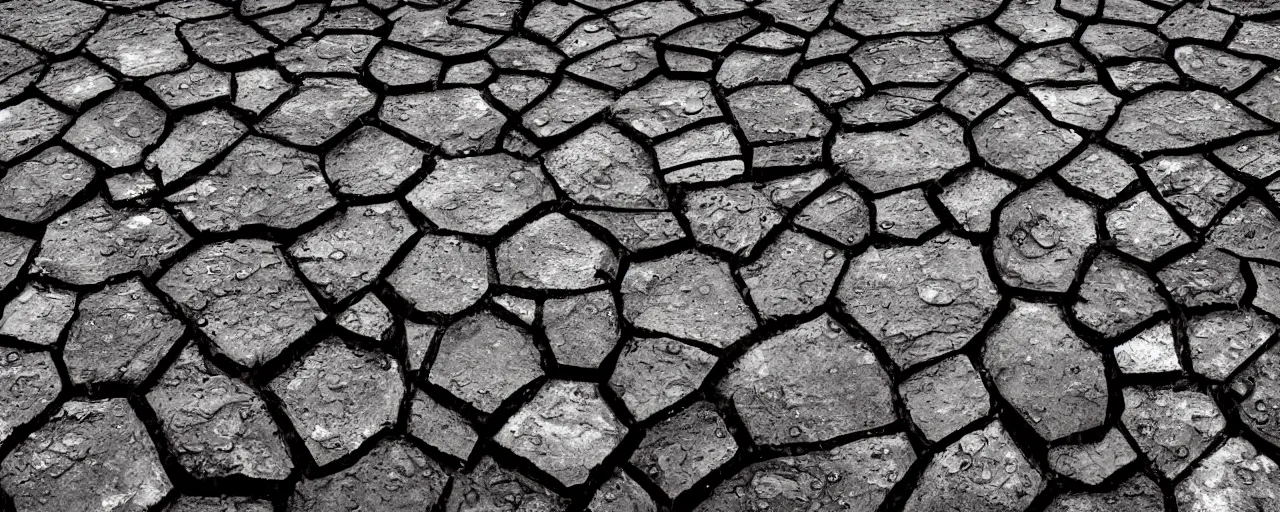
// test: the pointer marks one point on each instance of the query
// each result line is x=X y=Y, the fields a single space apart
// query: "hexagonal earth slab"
x=686 y=295
x=1046 y=371
x=244 y=297
x=233 y=435
x=566 y=430
x=480 y=195
x=338 y=396
x=483 y=359
x=90 y=453
x=812 y=383
x=919 y=301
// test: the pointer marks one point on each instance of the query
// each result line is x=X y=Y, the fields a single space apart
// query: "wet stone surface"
x=639 y=256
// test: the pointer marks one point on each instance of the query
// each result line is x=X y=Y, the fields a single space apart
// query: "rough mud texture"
x=640 y=255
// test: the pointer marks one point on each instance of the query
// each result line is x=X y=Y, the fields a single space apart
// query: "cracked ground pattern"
x=640 y=255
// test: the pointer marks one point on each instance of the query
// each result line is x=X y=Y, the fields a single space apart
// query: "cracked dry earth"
x=640 y=255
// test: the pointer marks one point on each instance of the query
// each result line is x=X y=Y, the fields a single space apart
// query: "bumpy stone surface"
x=30 y=384
x=194 y=141
x=349 y=251
x=1137 y=494
x=458 y=121
x=259 y=182
x=489 y=486
x=119 y=335
x=581 y=329
x=139 y=44
x=683 y=449
x=1092 y=463
x=1235 y=477
x=1196 y=188
x=322 y=108
x=371 y=162
x=1115 y=296
x=620 y=492
x=1046 y=371
x=1171 y=427
x=648 y=203
x=442 y=274
x=873 y=18
x=90 y=456
x=482 y=194
x=244 y=297
x=483 y=359
x=854 y=476
x=38 y=314
x=1018 y=138
x=95 y=242
x=116 y=131
x=1165 y=120
x=34 y=190
x=793 y=275
x=1220 y=341
x=394 y=476
x=1150 y=351
x=555 y=252
x=338 y=396
x=654 y=373
x=733 y=218
x=1042 y=238
x=687 y=295
x=1258 y=388
x=604 y=167
x=884 y=161
x=919 y=301
x=232 y=434
x=984 y=470
x=842 y=389
x=566 y=429
x=945 y=397
x=441 y=427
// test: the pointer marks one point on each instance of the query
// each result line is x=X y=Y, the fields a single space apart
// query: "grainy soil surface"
x=640 y=255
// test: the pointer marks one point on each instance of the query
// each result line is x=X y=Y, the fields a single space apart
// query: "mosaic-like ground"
x=617 y=255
